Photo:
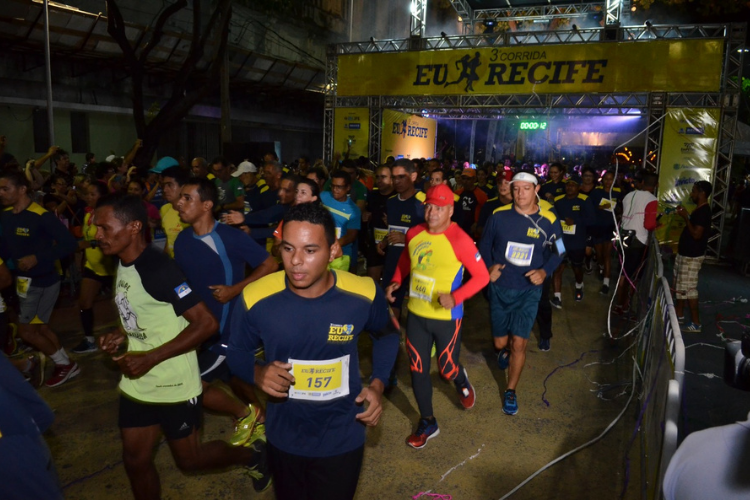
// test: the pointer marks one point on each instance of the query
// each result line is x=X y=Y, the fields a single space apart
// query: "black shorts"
x=105 y=281
x=635 y=254
x=213 y=366
x=601 y=234
x=177 y=420
x=575 y=256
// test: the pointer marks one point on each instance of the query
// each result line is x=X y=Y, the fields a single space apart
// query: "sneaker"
x=556 y=302
x=503 y=358
x=425 y=432
x=510 y=403
x=544 y=345
x=691 y=328
x=681 y=320
x=466 y=393
x=62 y=374
x=84 y=346
x=244 y=428
x=35 y=373
x=579 y=294
x=604 y=290
x=258 y=467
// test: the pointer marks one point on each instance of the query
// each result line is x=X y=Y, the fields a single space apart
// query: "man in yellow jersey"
x=436 y=254
x=172 y=180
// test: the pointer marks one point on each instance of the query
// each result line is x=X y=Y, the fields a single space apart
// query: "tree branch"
x=158 y=32
x=116 y=29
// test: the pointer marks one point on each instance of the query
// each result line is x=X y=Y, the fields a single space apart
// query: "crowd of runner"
x=262 y=277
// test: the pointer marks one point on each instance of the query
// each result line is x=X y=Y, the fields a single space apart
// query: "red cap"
x=440 y=195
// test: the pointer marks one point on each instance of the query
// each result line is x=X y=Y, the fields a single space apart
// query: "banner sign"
x=688 y=153
x=643 y=66
x=407 y=135
x=351 y=131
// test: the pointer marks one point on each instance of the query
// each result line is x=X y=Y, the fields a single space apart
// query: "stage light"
x=460 y=19
x=633 y=8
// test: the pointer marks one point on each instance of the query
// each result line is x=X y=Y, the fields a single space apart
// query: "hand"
x=52 y=150
x=447 y=300
x=135 y=364
x=138 y=143
x=395 y=238
x=366 y=216
x=233 y=217
x=569 y=221
x=536 y=276
x=373 y=396
x=549 y=197
x=389 y=292
x=110 y=342
x=496 y=271
x=682 y=212
x=132 y=169
x=274 y=379
x=381 y=246
x=223 y=293
x=338 y=252
x=26 y=263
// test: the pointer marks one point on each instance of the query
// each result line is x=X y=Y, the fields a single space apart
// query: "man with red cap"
x=435 y=256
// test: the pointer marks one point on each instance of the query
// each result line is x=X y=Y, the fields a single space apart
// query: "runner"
x=346 y=216
x=163 y=322
x=436 y=254
x=33 y=240
x=375 y=220
x=309 y=319
x=555 y=186
x=172 y=180
x=605 y=200
x=513 y=247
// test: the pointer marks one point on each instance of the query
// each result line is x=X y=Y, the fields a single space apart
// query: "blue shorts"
x=513 y=311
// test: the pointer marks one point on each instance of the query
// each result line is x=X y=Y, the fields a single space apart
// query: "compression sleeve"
x=65 y=243
x=471 y=259
x=649 y=218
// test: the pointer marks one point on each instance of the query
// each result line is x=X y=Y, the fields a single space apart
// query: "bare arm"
x=128 y=159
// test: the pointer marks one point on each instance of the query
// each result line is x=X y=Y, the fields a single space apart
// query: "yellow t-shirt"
x=170 y=221
x=101 y=264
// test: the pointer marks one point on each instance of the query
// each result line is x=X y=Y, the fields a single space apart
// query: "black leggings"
x=420 y=335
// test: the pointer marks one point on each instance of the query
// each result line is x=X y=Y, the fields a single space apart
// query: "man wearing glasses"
x=346 y=215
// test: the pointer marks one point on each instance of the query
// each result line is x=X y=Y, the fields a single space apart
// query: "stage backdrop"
x=643 y=66
x=351 y=128
x=406 y=135
x=688 y=153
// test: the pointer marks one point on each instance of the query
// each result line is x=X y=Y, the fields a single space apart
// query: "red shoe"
x=425 y=431
x=62 y=374
x=466 y=393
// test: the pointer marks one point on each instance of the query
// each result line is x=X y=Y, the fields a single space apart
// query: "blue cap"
x=163 y=164
x=574 y=178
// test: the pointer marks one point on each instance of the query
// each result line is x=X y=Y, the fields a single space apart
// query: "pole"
x=226 y=106
x=48 y=74
x=351 y=20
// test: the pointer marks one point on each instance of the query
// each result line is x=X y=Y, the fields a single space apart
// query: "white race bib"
x=568 y=229
x=519 y=254
x=421 y=287
x=608 y=205
x=379 y=234
x=319 y=380
x=22 y=286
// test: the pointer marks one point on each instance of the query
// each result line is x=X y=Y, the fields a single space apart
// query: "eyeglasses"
x=338 y=186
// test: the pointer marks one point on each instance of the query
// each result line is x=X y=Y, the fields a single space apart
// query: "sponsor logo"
x=23 y=231
x=339 y=334
x=687 y=148
x=532 y=232
x=352 y=126
x=477 y=257
x=183 y=290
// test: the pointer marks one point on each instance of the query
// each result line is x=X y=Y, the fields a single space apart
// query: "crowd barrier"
x=661 y=363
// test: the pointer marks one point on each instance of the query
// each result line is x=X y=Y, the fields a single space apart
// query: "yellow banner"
x=688 y=154
x=351 y=131
x=406 y=135
x=657 y=65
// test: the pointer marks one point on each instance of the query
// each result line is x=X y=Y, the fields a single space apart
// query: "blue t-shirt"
x=579 y=210
x=518 y=241
x=324 y=328
x=217 y=258
x=346 y=216
x=603 y=217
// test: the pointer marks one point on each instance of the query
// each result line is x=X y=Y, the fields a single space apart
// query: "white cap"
x=244 y=168
x=525 y=177
x=110 y=158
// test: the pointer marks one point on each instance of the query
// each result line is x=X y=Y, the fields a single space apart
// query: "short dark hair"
x=441 y=172
x=89 y=157
x=16 y=178
x=180 y=175
x=220 y=160
x=650 y=179
x=206 y=189
x=340 y=174
x=56 y=177
x=704 y=187
x=558 y=165
x=101 y=188
x=314 y=213
x=59 y=154
x=139 y=182
x=277 y=167
x=319 y=172
x=126 y=208
x=406 y=164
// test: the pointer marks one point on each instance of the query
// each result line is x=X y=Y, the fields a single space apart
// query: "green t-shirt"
x=229 y=191
x=151 y=294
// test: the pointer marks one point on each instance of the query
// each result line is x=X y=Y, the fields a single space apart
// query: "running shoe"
x=258 y=468
x=503 y=358
x=510 y=403
x=426 y=430
x=691 y=328
x=681 y=320
x=62 y=374
x=84 y=346
x=544 y=345
x=466 y=393
x=579 y=294
x=556 y=302
x=604 y=290
x=35 y=373
x=244 y=428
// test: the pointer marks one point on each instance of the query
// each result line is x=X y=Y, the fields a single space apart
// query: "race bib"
x=399 y=229
x=519 y=254
x=320 y=380
x=608 y=204
x=379 y=234
x=338 y=233
x=568 y=229
x=22 y=286
x=421 y=287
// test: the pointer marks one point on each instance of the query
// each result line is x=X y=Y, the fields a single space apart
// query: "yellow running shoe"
x=244 y=430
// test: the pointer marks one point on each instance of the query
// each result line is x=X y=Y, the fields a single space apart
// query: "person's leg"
x=335 y=478
x=544 y=314
x=679 y=287
x=30 y=326
x=289 y=473
x=375 y=272
x=89 y=290
x=418 y=345
x=138 y=457
x=557 y=280
x=578 y=273
x=191 y=455
x=517 y=360
x=499 y=316
x=694 y=267
x=247 y=394
x=220 y=401
x=447 y=335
